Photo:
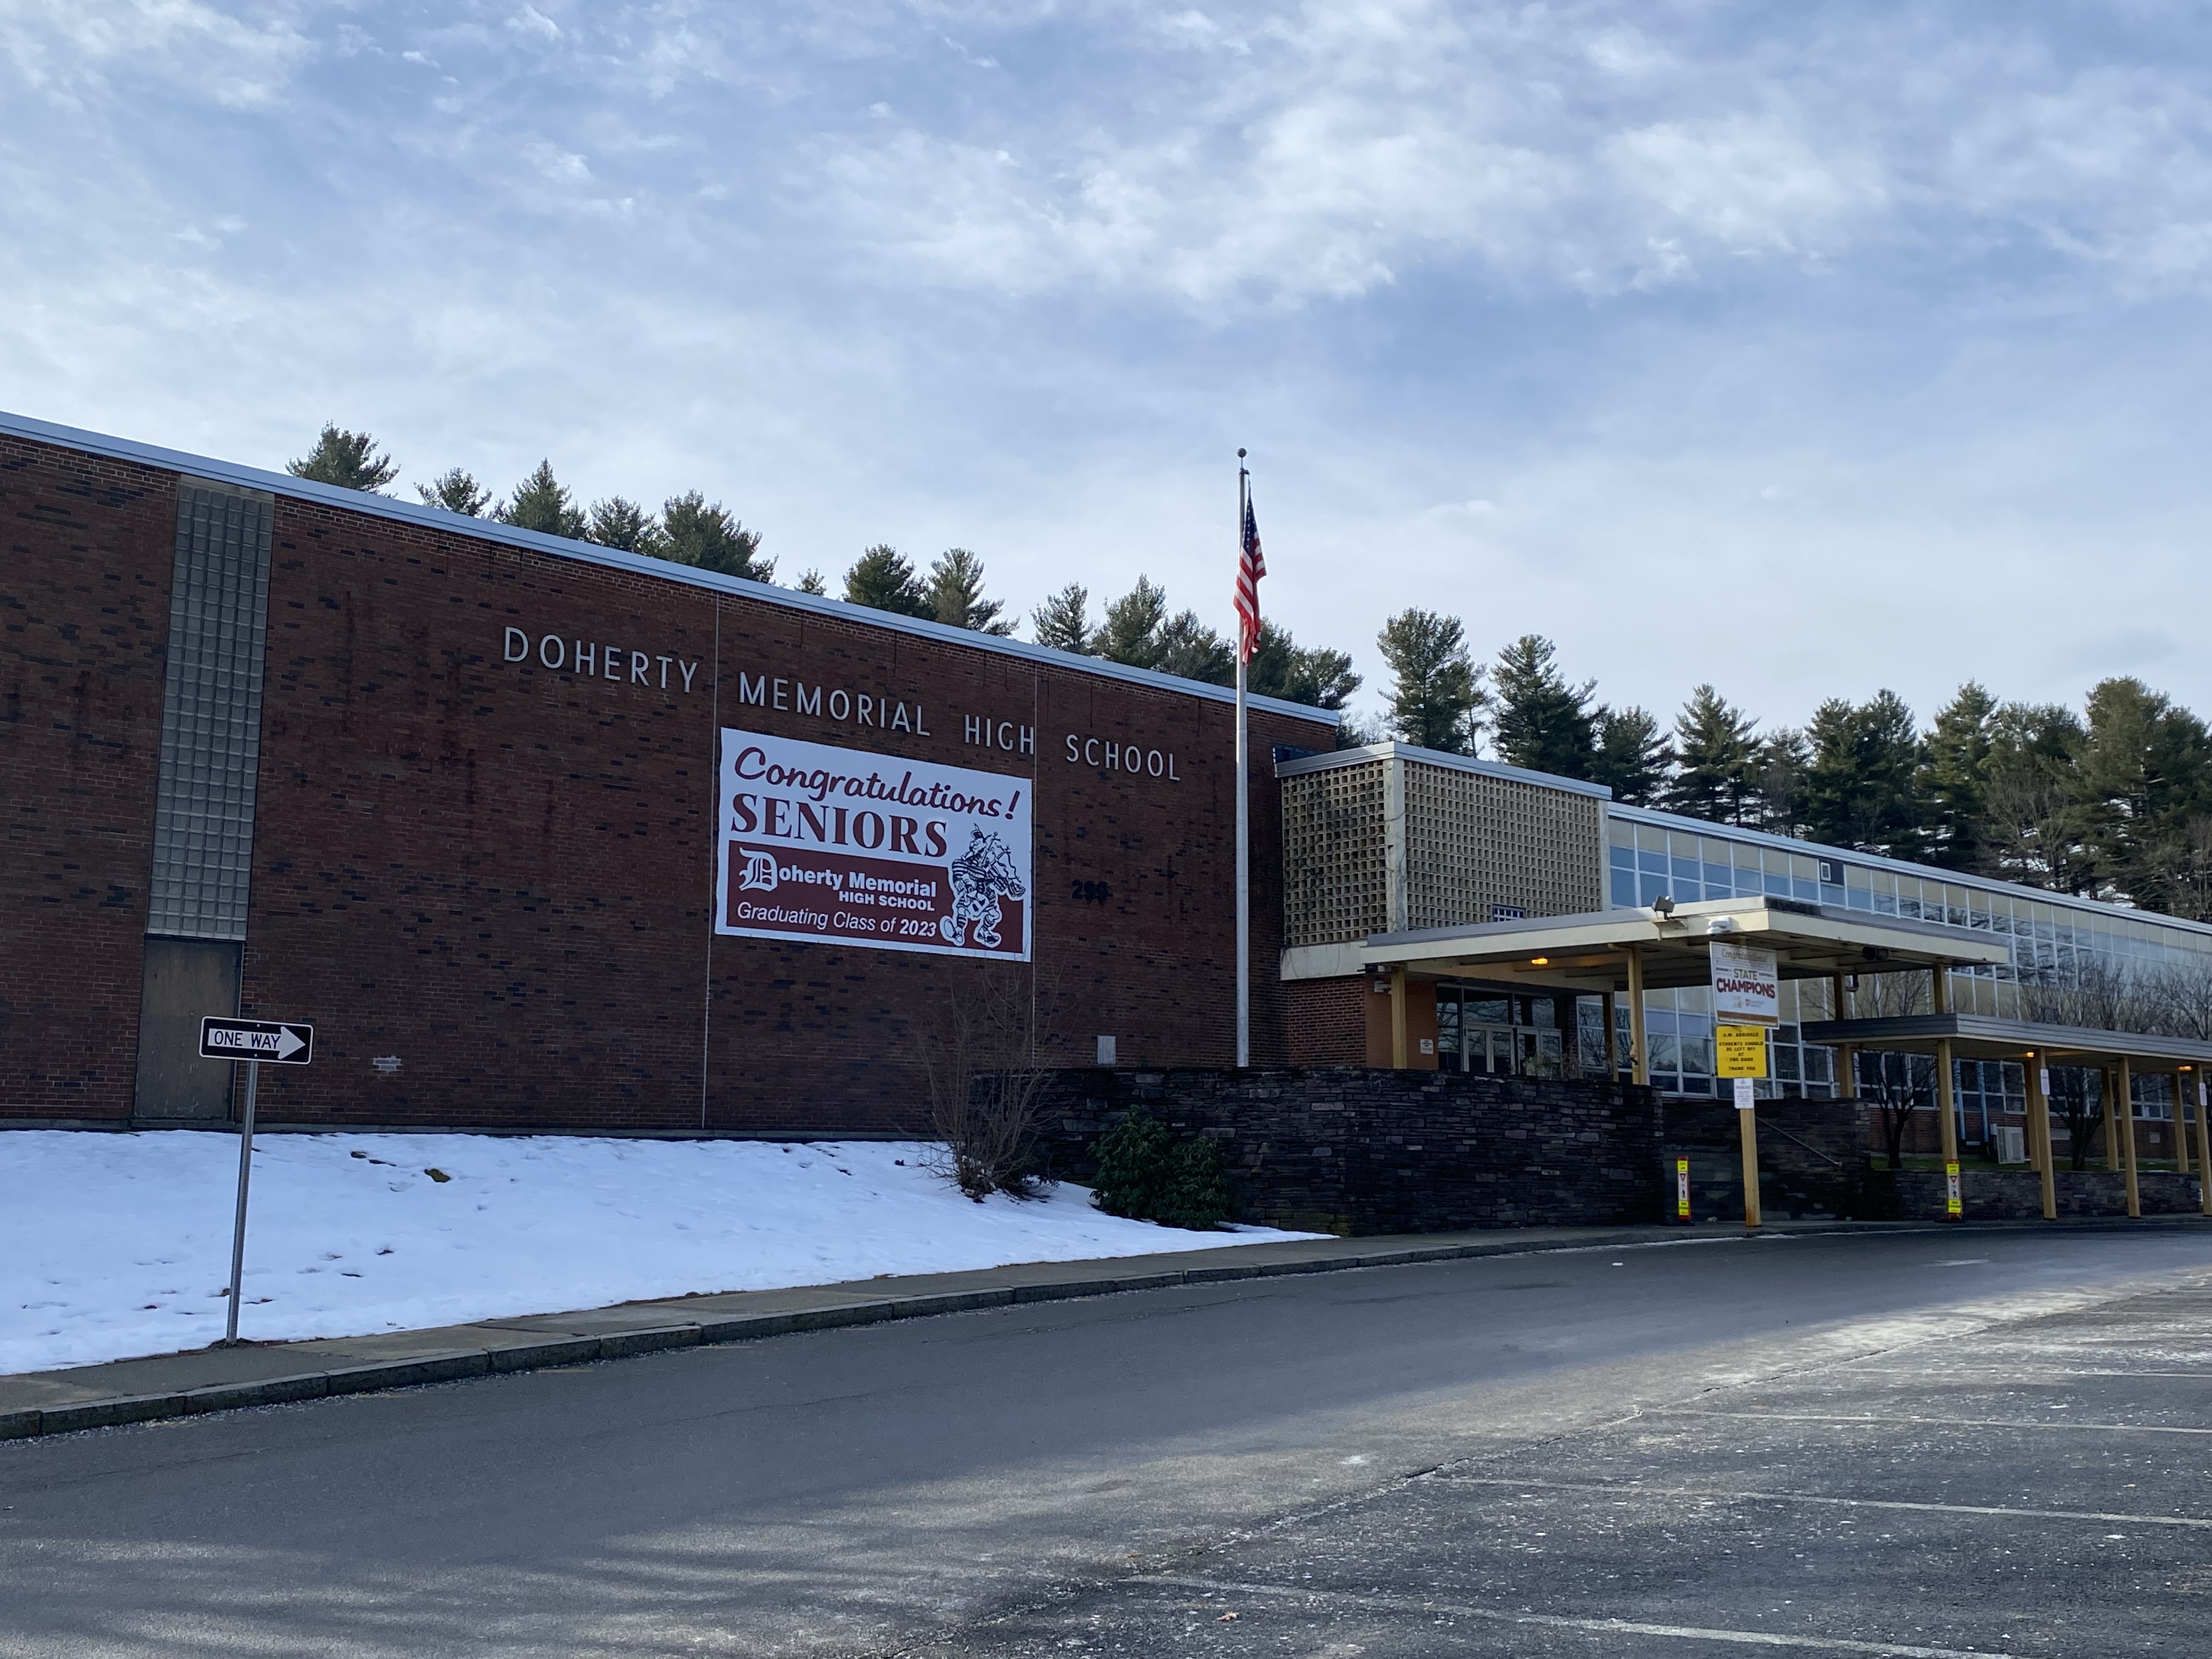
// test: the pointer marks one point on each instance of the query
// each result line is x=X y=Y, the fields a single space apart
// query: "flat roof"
x=1984 y=1036
x=560 y=547
x=2096 y=908
x=1589 y=952
x=1394 y=750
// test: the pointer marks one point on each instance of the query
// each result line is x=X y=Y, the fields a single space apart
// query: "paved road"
x=1906 y=1444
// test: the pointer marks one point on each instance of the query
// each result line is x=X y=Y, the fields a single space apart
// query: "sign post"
x=1682 y=1190
x=280 y=1044
x=1747 y=1003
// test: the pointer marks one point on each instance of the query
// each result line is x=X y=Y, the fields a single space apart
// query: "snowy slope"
x=112 y=1245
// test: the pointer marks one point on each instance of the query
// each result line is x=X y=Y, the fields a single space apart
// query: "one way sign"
x=279 y=1042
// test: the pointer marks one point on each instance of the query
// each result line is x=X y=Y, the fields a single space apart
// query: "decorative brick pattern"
x=1333 y=840
x=1473 y=841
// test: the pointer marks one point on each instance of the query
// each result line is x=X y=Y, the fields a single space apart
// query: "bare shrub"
x=980 y=1053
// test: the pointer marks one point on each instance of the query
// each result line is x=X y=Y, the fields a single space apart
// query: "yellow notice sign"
x=1740 y=1050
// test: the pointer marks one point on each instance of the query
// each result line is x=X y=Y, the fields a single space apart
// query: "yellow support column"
x=1947 y=1100
x=2039 y=1134
x=1639 y=1052
x=1398 y=1019
x=2181 y=1122
x=1747 y=1131
x=2203 y=1147
x=2112 y=1123
x=2127 y=1103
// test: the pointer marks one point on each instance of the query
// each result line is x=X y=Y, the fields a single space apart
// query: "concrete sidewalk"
x=224 y=1379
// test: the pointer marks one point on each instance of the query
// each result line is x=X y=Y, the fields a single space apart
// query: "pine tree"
x=348 y=460
x=1436 y=695
x=699 y=532
x=1862 y=787
x=2035 y=828
x=1714 y=755
x=1131 y=632
x=1779 y=774
x=883 y=580
x=541 y=502
x=1063 y=622
x=620 y=522
x=1280 y=668
x=1955 y=780
x=457 y=491
x=2144 y=770
x=1539 y=720
x=810 y=581
x=1188 y=648
x=954 y=591
x=1630 y=756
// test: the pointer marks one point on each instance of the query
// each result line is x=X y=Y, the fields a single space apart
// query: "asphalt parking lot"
x=2037 y=1489
x=1917 y=1444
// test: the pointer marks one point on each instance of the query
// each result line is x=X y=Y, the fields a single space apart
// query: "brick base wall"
x=2017 y=1195
x=1354 y=1150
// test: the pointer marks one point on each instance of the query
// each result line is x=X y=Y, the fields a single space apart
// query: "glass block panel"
x=211 y=714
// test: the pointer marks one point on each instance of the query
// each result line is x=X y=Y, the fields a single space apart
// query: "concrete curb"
x=417 y=1370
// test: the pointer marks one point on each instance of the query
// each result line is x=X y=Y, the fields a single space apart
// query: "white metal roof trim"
x=1437 y=758
x=491 y=529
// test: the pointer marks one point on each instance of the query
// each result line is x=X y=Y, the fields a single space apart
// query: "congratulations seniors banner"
x=840 y=845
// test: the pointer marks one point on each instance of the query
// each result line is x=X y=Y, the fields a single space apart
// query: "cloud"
x=1557 y=317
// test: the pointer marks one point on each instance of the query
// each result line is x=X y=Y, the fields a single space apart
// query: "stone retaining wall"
x=1354 y=1150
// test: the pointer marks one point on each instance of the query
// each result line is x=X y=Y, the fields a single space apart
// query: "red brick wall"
x=499 y=875
x=1329 y=1022
x=84 y=617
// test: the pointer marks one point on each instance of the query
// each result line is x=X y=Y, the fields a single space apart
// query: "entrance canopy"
x=1592 y=952
x=1982 y=1037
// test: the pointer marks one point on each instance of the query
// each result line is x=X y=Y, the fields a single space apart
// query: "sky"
x=1805 y=349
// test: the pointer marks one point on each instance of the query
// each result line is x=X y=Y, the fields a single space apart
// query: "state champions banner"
x=840 y=846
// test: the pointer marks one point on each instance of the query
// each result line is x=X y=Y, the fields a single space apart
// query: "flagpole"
x=1244 y=815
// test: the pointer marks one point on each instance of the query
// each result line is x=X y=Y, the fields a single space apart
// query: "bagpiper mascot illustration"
x=981 y=876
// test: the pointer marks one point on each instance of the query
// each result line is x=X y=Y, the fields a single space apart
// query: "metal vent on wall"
x=212 y=712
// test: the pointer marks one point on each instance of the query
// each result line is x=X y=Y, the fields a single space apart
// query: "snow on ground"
x=112 y=1245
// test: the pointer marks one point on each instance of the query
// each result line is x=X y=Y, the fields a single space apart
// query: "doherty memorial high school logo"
x=839 y=845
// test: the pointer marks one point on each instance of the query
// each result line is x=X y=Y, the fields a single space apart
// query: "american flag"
x=1249 y=568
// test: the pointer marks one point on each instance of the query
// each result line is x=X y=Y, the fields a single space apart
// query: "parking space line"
x=1759 y=1639
x=1679 y=1496
x=1753 y=1415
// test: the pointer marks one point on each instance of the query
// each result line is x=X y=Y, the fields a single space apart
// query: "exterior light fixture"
x=1539 y=962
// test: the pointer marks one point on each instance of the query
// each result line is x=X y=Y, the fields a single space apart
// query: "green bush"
x=1146 y=1173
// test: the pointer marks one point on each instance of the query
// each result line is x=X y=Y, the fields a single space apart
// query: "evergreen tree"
x=2142 y=774
x=1189 y=649
x=883 y=580
x=1630 y=756
x=1862 y=789
x=1540 y=720
x=810 y=581
x=1280 y=668
x=2034 y=827
x=540 y=503
x=457 y=491
x=620 y=522
x=1954 y=781
x=1780 y=774
x=954 y=591
x=348 y=460
x=1131 y=632
x=699 y=533
x=1063 y=622
x=1715 y=756
x=1436 y=695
